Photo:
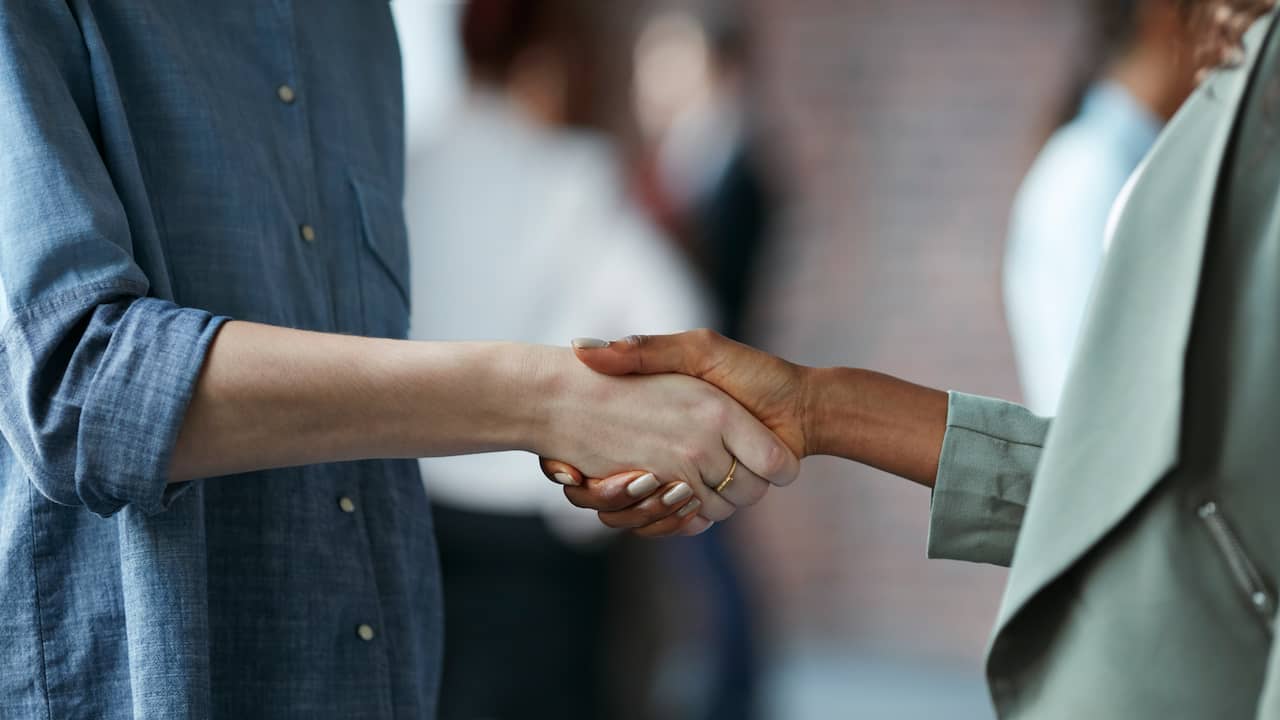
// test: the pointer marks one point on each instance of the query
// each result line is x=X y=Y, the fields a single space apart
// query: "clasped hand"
x=681 y=499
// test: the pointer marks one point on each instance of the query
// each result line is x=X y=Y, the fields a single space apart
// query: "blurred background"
x=836 y=178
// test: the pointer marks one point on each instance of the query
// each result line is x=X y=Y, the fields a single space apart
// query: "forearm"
x=273 y=397
x=875 y=419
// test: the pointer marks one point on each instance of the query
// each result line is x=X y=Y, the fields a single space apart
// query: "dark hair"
x=496 y=34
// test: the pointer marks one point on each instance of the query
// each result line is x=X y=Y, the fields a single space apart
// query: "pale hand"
x=678 y=429
x=770 y=388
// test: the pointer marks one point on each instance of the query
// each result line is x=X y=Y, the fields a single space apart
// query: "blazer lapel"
x=1118 y=430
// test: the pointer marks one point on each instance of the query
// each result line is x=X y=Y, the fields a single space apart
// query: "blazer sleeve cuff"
x=989 y=457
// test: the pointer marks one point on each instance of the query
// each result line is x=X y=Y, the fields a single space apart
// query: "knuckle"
x=652 y=527
x=609 y=520
x=612 y=504
x=714 y=411
x=693 y=456
x=706 y=341
x=704 y=337
x=776 y=463
x=718 y=512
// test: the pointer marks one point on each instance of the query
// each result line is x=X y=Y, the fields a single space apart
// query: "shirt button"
x=346 y=504
x=286 y=94
x=308 y=233
x=365 y=632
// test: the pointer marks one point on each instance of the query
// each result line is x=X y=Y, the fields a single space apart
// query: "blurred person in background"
x=1140 y=69
x=521 y=229
x=1137 y=524
x=210 y=501
x=701 y=174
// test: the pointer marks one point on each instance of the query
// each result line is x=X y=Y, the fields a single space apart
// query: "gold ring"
x=728 y=478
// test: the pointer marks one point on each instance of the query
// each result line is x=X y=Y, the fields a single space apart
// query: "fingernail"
x=677 y=494
x=689 y=509
x=642 y=485
x=565 y=479
x=589 y=343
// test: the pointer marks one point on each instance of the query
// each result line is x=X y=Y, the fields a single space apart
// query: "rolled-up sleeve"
x=989 y=457
x=97 y=373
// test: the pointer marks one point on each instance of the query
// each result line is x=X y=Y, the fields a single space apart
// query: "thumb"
x=687 y=353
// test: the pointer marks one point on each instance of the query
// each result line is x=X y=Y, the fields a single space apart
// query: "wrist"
x=494 y=395
x=540 y=379
x=815 y=412
x=832 y=415
x=876 y=419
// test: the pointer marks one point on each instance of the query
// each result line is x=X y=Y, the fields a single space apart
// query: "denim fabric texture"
x=166 y=165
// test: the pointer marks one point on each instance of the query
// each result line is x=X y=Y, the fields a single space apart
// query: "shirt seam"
x=35 y=592
x=986 y=434
x=65 y=298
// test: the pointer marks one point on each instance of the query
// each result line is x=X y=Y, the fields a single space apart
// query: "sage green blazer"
x=1040 y=496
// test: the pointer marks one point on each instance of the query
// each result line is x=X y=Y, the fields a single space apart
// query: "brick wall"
x=901 y=128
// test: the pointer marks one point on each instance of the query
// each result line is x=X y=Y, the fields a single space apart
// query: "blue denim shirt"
x=164 y=165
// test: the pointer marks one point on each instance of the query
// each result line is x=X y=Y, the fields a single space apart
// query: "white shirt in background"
x=527 y=234
x=1057 y=234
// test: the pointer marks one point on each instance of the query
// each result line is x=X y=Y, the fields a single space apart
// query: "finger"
x=697 y=526
x=560 y=472
x=1231 y=56
x=684 y=521
x=759 y=450
x=673 y=498
x=709 y=469
x=616 y=492
x=687 y=353
x=744 y=490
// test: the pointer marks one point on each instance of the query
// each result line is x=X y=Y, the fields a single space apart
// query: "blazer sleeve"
x=989 y=457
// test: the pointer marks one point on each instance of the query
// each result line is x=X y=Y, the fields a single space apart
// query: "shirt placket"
x=366 y=621
x=291 y=94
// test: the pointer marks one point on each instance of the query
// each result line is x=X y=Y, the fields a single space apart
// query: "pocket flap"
x=382 y=220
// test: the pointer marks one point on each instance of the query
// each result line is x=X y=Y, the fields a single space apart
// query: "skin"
x=272 y=397
x=865 y=416
x=1159 y=66
x=859 y=415
x=1219 y=25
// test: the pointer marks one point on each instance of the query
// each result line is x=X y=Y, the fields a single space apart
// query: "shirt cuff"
x=136 y=405
x=989 y=457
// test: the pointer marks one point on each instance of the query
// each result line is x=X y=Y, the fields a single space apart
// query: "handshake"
x=680 y=431
x=737 y=428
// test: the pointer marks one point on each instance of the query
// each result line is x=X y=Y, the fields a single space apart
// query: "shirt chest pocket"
x=382 y=270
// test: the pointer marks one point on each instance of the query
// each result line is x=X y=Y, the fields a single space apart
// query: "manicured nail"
x=642 y=485
x=589 y=343
x=565 y=479
x=689 y=509
x=677 y=494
